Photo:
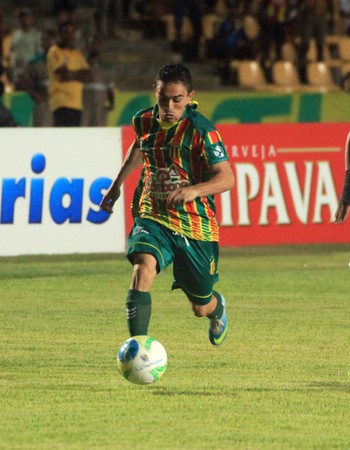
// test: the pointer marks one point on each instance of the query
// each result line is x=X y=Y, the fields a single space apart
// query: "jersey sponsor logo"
x=219 y=151
x=164 y=181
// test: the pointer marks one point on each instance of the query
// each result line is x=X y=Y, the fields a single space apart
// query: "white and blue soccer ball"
x=142 y=360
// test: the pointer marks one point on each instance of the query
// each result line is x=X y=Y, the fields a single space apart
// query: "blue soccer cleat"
x=218 y=327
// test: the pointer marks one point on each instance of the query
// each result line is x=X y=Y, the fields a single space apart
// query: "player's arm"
x=344 y=202
x=222 y=180
x=132 y=160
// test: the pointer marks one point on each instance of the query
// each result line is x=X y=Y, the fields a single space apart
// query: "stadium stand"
x=143 y=43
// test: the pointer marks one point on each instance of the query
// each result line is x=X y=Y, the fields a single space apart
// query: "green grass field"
x=280 y=381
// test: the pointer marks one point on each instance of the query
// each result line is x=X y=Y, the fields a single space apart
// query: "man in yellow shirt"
x=68 y=70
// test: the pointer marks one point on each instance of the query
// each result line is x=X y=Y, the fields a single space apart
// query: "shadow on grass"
x=329 y=386
x=319 y=386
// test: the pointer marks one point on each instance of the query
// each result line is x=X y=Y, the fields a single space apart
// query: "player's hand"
x=182 y=195
x=109 y=199
x=341 y=213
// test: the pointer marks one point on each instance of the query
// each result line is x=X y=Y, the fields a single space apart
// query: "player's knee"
x=143 y=276
x=145 y=271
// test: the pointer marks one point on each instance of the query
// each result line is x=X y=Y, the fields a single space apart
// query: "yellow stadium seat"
x=319 y=76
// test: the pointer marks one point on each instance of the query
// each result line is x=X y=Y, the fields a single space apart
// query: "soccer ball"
x=142 y=360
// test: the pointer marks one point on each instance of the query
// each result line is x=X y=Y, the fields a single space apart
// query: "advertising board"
x=51 y=183
x=288 y=181
x=288 y=178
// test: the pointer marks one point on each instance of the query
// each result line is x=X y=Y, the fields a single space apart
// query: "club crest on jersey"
x=218 y=151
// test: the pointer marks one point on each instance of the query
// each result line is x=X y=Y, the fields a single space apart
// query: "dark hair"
x=50 y=33
x=64 y=24
x=175 y=72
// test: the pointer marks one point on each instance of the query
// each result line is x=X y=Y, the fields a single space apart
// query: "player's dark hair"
x=175 y=72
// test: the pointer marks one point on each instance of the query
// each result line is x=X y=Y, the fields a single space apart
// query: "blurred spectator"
x=150 y=14
x=6 y=118
x=293 y=20
x=5 y=46
x=193 y=9
x=344 y=10
x=68 y=70
x=272 y=18
x=26 y=42
x=35 y=81
x=109 y=10
x=231 y=43
x=65 y=10
x=98 y=95
x=209 y=6
x=314 y=19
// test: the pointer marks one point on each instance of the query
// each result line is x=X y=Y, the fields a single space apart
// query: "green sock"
x=138 y=312
x=218 y=311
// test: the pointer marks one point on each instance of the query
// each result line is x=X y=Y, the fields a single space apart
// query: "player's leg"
x=148 y=253
x=218 y=320
x=215 y=310
x=195 y=272
x=138 y=301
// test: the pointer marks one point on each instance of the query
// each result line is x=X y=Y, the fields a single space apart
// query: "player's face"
x=172 y=99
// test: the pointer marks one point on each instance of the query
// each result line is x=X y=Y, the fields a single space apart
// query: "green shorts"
x=194 y=262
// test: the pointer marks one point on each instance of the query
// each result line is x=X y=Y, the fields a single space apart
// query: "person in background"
x=6 y=118
x=98 y=95
x=272 y=17
x=344 y=12
x=65 y=10
x=108 y=9
x=344 y=202
x=231 y=43
x=313 y=15
x=35 y=81
x=293 y=23
x=194 y=10
x=184 y=164
x=5 y=52
x=68 y=70
x=25 y=44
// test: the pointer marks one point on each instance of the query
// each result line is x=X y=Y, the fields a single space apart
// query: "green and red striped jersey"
x=176 y=157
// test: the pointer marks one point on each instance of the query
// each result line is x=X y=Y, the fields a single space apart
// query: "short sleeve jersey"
x=67 y=94
x=177 y=157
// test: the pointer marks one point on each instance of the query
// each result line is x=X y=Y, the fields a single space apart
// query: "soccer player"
x=344 y=203
x=184 y=164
